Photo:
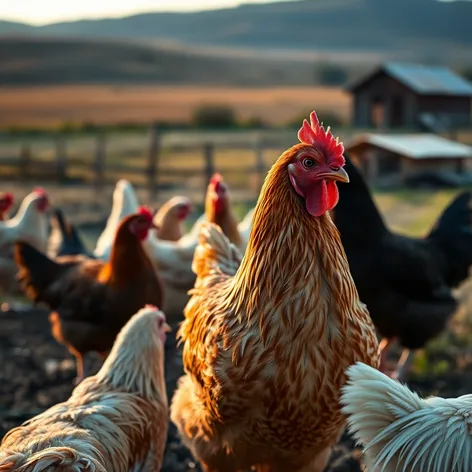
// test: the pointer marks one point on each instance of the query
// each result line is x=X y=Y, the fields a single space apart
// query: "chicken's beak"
x=339 y=175
x=167 y=328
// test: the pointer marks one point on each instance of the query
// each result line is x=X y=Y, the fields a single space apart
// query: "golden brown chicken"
x=115 y=421
x=171 y=217
x=91 y=300
x=266 y=349
x=218 y=209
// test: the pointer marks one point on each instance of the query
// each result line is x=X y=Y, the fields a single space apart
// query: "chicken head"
x=315 y=167
x=6 y=202
x=42 y=200
x=142 y=223
x=218 y=192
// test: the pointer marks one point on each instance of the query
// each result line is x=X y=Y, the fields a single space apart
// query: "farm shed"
x=412 y=96
x=395 y=158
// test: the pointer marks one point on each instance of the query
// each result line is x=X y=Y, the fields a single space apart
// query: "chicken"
x=218 y=209
x=405 y=282
x=125 y=202
x=401 y=431
x=115 y=421
x=30 y=224
x=171 y=216
x=64 y=239
x=266 y=345
x=91 y=300
x=6 y=202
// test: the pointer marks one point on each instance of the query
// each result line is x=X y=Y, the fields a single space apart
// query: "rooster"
x=115 y=421
x=405 y=282
x=266 y=343
x=171 y=216
x=64 y=239
x=402 y=432
x=91 y=300
x=6 y=202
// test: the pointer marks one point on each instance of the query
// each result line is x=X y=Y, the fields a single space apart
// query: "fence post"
x=209 y=156
x=25 y=159
x=61 y=159
x=153 y=161
x=100 y=156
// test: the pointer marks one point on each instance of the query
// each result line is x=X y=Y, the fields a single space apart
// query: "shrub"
x=214 y=116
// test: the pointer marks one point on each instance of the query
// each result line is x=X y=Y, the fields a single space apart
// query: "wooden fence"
x=154 y=158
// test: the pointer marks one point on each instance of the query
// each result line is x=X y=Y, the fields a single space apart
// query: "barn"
x=404 y=158
x=411 y=96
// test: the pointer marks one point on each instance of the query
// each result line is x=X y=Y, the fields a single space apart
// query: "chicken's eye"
x=309 y=163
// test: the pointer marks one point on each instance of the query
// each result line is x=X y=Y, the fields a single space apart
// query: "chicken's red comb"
x=151 y=307
x=314 y=133
x=8 y=197
x=145 y=211
x=40 y=190
x=216 y=177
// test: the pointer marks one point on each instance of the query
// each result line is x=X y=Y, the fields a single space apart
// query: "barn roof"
x=422 y=79
x=414 y=146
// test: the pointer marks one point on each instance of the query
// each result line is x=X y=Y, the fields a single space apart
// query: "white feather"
x=125 y=202
x=401 y=431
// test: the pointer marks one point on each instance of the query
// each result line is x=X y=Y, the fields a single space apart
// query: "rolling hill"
x=423 y=26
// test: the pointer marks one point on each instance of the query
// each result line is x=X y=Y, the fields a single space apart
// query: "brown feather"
x=265 y=350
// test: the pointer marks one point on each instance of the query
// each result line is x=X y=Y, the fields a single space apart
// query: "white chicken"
x=125 y=202
x=30 y=224
x=401 y=431
x=114 y=421
x=244 y=228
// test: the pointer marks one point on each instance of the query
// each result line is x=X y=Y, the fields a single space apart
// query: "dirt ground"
x=37 y=373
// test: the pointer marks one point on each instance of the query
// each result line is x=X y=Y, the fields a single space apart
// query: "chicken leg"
x=403 y=365
x=384 y=347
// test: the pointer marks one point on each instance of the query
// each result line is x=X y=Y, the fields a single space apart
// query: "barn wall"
x=386 y=89
x=446 y=105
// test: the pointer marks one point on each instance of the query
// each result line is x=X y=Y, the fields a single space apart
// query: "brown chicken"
x=266 y=349
x=171 y=217
x=115 y=421
x=218 y=209
x=6 y=202
x=91 y=300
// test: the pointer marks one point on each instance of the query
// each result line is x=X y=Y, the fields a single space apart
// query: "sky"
x=40 y=12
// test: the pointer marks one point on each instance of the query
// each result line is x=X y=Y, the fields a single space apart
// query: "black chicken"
x=405 y=282
x=64 y=239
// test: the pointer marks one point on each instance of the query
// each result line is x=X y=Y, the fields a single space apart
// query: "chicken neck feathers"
x=274 y=338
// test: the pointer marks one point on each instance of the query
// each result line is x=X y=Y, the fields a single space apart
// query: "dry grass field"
x=105 y=104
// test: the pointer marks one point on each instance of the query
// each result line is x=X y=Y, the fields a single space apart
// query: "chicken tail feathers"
x=401 y=431
x=69 y=242
x=36 y=270
x=452 y=234
x=56 y=459
x=215 y=253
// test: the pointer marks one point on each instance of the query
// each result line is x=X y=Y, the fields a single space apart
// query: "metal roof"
x=415 y=146
x=427 y=80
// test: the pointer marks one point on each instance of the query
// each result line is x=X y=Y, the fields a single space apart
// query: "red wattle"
x=321 y=197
